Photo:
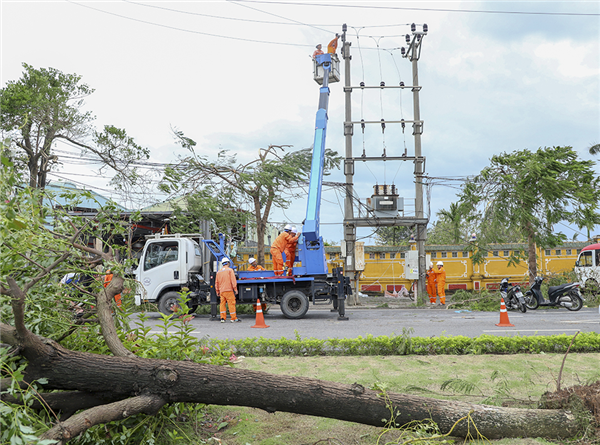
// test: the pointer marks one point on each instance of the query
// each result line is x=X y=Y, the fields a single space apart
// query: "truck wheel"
x=169 y=302
x=294 y=304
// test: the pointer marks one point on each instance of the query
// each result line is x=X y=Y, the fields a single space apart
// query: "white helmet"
x=430 y=264
x=439 y=263
x=294 y=229
x=252 y=260
x=287 y=227
x=225 y=260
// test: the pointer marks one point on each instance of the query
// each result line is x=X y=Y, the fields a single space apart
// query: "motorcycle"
x=566 y=295
x=513 y=297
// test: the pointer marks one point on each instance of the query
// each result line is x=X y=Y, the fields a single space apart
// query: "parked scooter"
x=566 y=295
x=513 y=297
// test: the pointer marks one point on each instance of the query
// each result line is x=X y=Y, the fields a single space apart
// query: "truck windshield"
x=161 y=253
x=585 y=259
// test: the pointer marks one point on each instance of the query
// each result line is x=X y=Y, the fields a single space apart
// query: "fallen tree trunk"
x=174 y=381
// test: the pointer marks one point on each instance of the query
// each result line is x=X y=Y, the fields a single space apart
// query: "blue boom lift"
x=170 y=263
x=311 y=282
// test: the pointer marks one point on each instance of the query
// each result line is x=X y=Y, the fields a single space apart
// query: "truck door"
x=159 y=267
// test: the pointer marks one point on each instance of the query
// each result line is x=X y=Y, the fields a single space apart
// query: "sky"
x=237 y=75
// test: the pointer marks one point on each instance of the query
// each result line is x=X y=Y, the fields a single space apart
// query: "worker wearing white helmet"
x=440 y=278
x=290 y=250
x=278 y=248
x=431 y=284
x=253 y=265
x=226 y=289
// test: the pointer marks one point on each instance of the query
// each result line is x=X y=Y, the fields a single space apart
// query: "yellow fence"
x=384 y=266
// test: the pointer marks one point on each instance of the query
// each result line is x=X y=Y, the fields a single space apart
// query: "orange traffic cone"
x=260 y=320
x=504 y=321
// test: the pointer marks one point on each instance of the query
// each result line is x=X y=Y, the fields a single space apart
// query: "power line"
x=293 y=23
x=270 y=13
x=404 y=8
x=189 y=30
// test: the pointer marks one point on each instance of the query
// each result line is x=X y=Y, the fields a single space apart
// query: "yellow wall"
x=381 y=273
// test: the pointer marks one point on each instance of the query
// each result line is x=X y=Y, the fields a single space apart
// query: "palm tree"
x=454 y=217
x=595 y=149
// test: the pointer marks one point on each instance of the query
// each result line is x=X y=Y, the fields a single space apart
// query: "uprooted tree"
x=105 y=373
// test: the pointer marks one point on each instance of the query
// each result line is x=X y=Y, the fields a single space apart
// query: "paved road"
x=323 y=324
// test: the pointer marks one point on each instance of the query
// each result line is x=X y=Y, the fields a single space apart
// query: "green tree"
x=454 y=218
x=530 y=192
x=392 y=236
x=595 y=149
x=46 y=106
x=273 y=179
x=223 y=211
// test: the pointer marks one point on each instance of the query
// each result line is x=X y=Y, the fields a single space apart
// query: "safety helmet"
x=225 y=261
x=430 y=264
x=439 y=263
x=294 y=230
x=287 y=227
x=252 y=260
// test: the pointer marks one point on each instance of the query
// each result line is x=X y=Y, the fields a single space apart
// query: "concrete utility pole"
x=349 y=227
x=413 y=53
x=385 y=204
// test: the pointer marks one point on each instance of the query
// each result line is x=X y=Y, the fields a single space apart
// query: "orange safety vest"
x=225 y=281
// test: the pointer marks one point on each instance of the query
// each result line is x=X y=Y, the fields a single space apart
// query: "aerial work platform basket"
x=318 y=70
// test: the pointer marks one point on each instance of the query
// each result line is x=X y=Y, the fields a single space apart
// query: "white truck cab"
x=166 y=266
x=587 y=267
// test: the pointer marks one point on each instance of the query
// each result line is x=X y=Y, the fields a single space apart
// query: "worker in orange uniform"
x=332 y=46
x=318 y=51
x=290 y=250
x=253 y=266
x=107 y=279
x=226 y=289
x=278 y=248
x=431 y=284
x=440 y=278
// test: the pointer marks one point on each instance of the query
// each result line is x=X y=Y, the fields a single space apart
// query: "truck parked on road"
x=170 y=263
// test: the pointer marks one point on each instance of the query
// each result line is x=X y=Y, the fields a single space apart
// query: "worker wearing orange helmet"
x=431 y=284
x=290 y=250
x=440 y=278
x=253 y=265
x=278 y=248
x=226 y=289
x=332 y=46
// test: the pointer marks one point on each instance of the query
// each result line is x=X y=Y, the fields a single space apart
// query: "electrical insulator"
x=407 y=37
x=425 y=27
x=382 y=83
x=413 y=27
x=362 y=84
x=382 y=125
x=403 y=51
x=401 y=84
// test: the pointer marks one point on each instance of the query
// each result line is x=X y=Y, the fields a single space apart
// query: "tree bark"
x=218 y=385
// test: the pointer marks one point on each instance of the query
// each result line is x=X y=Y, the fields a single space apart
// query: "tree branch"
x=65 y=431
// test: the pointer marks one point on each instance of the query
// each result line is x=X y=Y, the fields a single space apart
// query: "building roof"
x=86 y=199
